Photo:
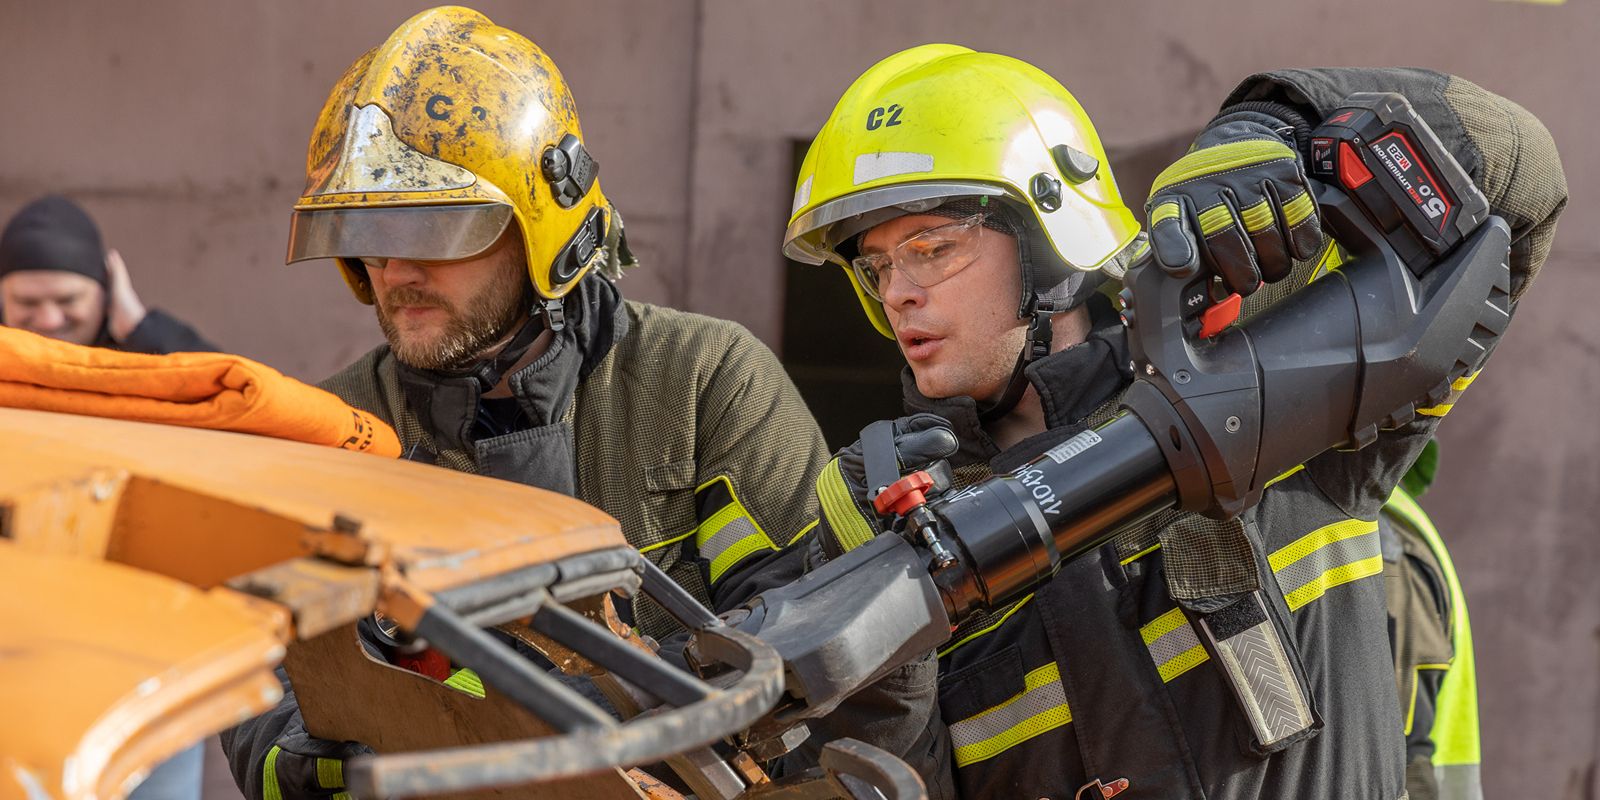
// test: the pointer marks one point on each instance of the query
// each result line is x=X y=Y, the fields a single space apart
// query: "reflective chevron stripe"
x=1040 y=707
x=1274 y=700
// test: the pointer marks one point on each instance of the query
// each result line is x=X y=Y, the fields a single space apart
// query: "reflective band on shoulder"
x=1041 y=707
x=729 y=534
x=1329 y=556
x=1173 y=644
x=839 y=507
x=269 y=775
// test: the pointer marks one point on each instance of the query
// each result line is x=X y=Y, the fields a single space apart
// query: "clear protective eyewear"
x=924 y=259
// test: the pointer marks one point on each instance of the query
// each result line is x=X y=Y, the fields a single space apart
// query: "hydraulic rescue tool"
x=1214 y=414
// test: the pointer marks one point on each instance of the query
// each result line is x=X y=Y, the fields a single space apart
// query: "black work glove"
x=847 y=519
x=301 y=766
x=1238 y=205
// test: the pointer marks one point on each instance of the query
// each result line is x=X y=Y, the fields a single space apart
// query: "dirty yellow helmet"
x=432 y=143
x=940 y=122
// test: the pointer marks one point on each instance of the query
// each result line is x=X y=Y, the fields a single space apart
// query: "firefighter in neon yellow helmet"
x=449 y=179
x=896 y=145
x=968 y=200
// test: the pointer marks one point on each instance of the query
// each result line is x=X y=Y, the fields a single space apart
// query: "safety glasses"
x=924 y=259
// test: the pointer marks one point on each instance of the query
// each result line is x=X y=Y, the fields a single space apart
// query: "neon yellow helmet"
x=940 y=122
x=434 y=141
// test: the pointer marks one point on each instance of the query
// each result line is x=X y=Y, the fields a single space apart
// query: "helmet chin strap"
x=1037 y=346
x=488 y=372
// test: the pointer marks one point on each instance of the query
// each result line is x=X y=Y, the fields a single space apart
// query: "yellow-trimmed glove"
x=303 y=766
x=847 y=519
x=1238 y=205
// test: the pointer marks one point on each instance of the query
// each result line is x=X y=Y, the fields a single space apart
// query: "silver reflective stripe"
x=735 y=531
x=1458 y=781
x=1260 y=669
x=1040 y=707
x=1329 y=556
x=802 y=195
x=1174 y=643
x=872 y=166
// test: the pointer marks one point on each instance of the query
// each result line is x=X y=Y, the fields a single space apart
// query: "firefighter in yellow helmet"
x=450 y=180
x=967 y=198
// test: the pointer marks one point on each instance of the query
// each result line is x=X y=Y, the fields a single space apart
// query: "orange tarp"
x=197 y=390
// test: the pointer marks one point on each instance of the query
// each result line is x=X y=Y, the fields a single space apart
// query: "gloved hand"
x=303 y=766
x=848 y=520
x=1238 y=205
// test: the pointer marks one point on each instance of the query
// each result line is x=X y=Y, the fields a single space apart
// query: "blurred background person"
x=58 y=280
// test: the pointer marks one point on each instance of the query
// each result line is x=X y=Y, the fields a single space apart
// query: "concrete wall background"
x=182 y=124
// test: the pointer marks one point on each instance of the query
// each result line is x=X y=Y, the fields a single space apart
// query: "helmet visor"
x=418 y=233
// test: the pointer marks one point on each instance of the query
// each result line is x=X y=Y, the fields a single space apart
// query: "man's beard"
x=468 y=335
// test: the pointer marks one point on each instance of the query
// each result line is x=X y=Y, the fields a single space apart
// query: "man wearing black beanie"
x=57 y=280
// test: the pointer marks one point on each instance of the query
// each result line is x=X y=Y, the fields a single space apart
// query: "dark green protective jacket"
x=1098 y=675
x=683 y=427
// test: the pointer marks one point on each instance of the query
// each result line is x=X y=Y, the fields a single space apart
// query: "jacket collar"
x=447 y=405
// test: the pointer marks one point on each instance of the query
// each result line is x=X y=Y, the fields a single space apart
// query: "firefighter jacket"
x=1099 y=683
x=683 y=427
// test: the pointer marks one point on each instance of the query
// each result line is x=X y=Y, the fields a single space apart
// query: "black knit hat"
x=53 y=233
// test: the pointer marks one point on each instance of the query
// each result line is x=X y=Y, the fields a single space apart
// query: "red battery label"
x=1399 y=158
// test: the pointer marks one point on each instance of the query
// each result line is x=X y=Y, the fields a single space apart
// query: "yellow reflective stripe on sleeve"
x=1214 y=219
x=1173 y=644
x=839 y=506
x=1163 y=212
x=730 y=533
x=1258 y=217
x=1015 y=607
x=343 y=796
x=269 y=775
x=1298 y=209
x=330 y=773
x=1039 y=708
x=1297 y=468
x=1223 y=157
x=1330 y=556
x=1337 y=576
x=466 y=681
